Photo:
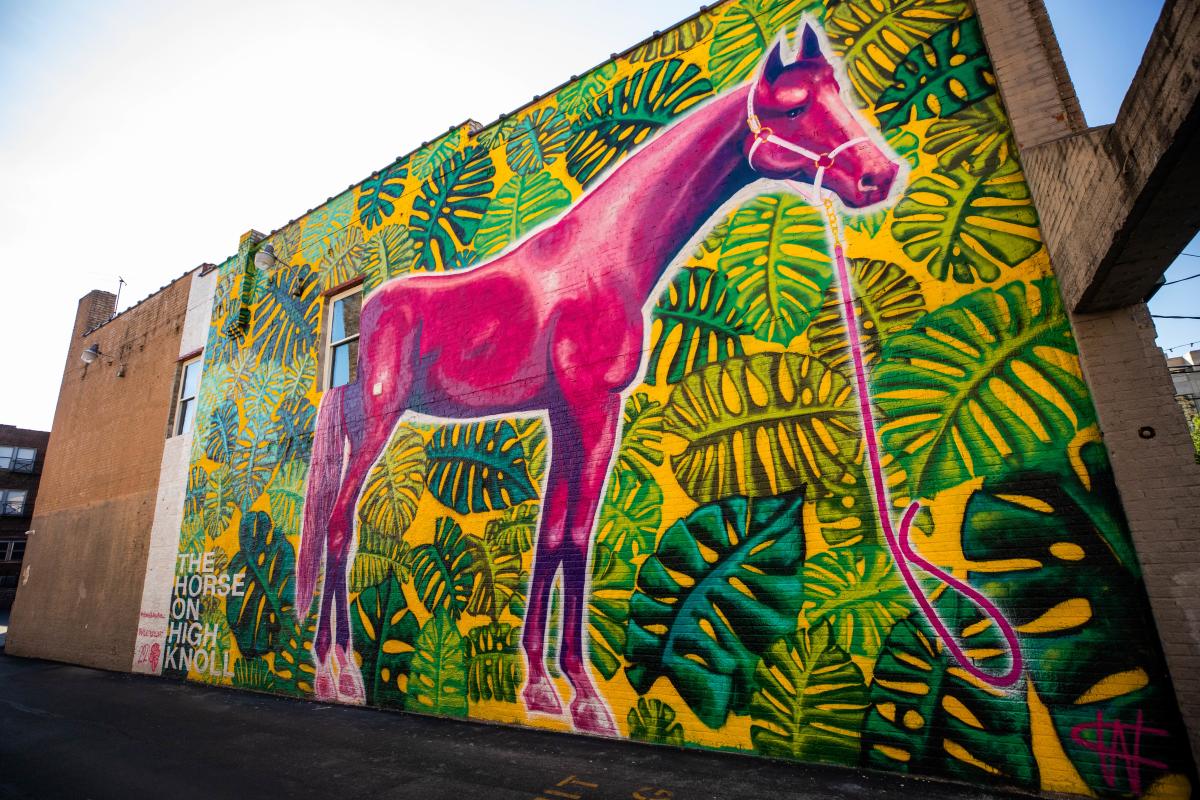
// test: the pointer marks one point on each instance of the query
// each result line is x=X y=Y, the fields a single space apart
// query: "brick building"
x=119 y=414
x=22 y=454
x=856 y=481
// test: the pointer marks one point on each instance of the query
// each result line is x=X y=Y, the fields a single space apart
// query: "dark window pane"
x=6 y=457
x=18 y=551
x=187 y=412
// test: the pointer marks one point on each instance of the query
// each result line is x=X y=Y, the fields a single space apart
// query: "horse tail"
x=324 y=480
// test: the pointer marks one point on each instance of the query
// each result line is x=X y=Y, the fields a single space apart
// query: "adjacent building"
x=22 y=454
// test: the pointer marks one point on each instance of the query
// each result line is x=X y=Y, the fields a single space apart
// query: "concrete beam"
x=1119 y=202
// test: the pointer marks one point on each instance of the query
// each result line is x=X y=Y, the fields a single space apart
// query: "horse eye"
x=797 y=111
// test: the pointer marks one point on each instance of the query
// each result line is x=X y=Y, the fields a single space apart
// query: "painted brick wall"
x=619 y=460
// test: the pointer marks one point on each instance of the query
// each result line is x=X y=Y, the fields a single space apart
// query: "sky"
x=141 y=138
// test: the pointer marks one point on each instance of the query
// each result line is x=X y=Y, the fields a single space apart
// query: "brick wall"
x=81 y=587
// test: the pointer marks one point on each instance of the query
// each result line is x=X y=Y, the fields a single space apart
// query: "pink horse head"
x=797 y=100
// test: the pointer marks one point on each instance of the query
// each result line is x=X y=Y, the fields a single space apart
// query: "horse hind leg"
x=539 y=694
x=369 y=425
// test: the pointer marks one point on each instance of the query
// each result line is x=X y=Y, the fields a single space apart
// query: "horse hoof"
x=540 y=698
x=349 y=691
x=323 y=687
x=591 y=715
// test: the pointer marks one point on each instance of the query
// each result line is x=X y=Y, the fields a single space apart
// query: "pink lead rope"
x=903 y=553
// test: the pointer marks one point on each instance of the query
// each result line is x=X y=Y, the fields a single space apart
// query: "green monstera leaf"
x=513 y=531
x=430 y=157
x=811 y=700
x=292 y=665
x=499 y=579
x=722 y=584
x=254 y=460
x=479 y=466
x=437 y=680
x=285 y=319
x=929 y=716
x=378 y=556
x=741 y=37
x=386 y=254
x=223 y=426
x=980 y=385
x=537 y=140
x=266 y=565
x=761 y=425
x=377 y=195
x=286 y=495
x=946 y=74
x=696 y=323
x=523 y=203
x=532 y=433
x=887 y=300
x=641 y=435
x=775 y=258
x=629 y=520
x=495 y=665
x=341 y=257
x=971 y=139
x=871 y=37
x=385 y=634
x=680 y=39
x=968 y=225
x=652 y=720
x=631 y=110
x=448 y=209
x=1054 y=553
x=579 y=94
x=219 y=502
x=444 y=572
x=858 y=592
x=394 y=486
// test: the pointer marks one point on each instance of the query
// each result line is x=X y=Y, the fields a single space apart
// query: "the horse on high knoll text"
x=556 y=326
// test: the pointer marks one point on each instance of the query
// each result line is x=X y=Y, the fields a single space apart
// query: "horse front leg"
x=597 y=432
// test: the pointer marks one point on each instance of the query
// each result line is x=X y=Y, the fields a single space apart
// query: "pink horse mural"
x=557 y=326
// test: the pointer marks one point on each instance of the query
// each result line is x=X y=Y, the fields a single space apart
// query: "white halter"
x=763 y=134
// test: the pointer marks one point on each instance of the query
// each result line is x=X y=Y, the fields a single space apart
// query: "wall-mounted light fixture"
x=265 y=259
x=90 y=355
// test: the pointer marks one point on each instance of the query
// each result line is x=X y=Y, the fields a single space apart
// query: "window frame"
x=179 y=407
x=330 y=345
x=14 y=463
x=5 y=503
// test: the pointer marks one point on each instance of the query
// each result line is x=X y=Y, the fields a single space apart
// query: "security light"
x=265 y=258
x=89 y=355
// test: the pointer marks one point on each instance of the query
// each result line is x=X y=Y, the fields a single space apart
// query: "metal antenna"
x=117 y=303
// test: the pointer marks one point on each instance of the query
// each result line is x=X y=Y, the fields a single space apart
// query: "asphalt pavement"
x=73 y=732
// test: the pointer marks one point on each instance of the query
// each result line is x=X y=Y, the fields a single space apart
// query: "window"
x=341 y=353
x=17 y=459
x=189 y=382
x=12 y=551
x=12 y=502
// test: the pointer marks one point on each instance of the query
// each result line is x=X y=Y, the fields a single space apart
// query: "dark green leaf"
x=267 y=566
x=721 y=585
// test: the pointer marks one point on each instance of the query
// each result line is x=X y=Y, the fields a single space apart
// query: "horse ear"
x=773 y=67
x=810 y=44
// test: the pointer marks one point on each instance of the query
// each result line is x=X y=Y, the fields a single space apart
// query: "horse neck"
x=651 y=205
